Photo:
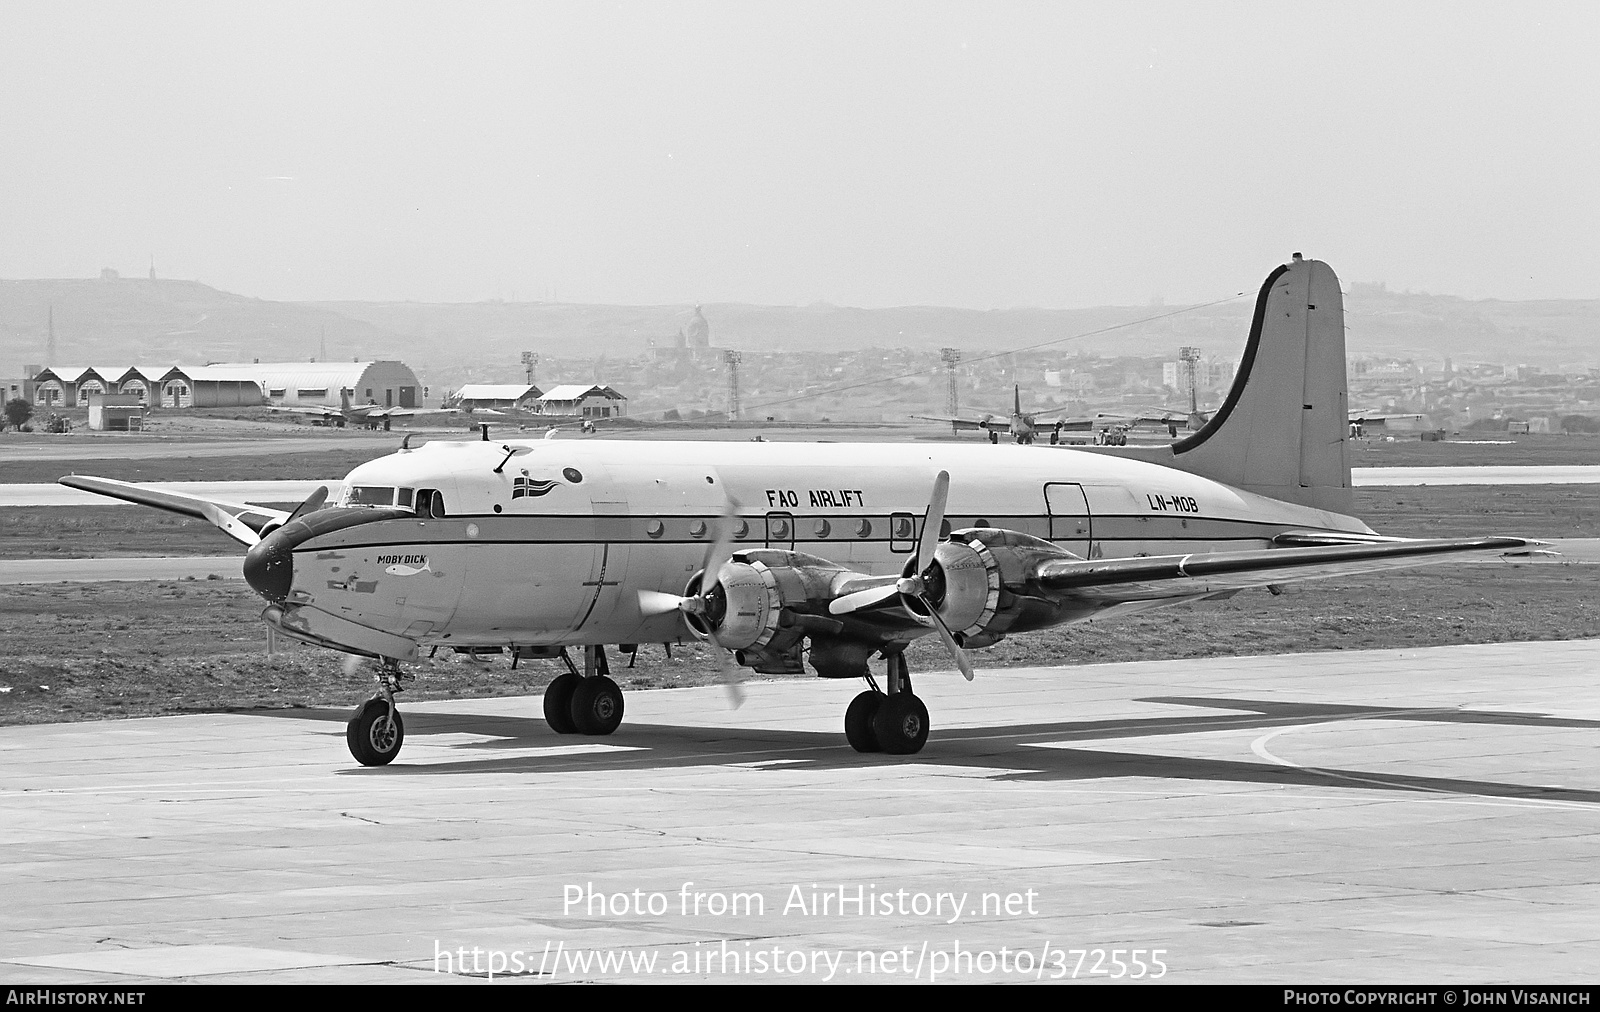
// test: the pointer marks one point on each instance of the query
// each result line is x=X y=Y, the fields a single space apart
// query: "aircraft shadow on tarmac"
x=1005 y=749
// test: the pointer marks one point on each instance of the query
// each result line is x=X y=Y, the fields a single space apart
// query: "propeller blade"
x=862 y=599
x=313 y=502
x=720 y=550
x=933 y=522
x=352 y=663
x=230 y=524
x=653 y=602
x=732 y=675
x=949 y=640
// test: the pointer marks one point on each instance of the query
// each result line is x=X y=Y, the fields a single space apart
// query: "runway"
x=14 y=572
x=41 y=494
x=1351 y=817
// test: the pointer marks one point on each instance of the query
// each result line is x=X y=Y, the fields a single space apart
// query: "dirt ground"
x=87 y=651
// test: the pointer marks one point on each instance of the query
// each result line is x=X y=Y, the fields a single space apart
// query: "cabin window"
x=902 y=532
x=655 y=529
x=863 y=528
x=697 y=529
x=823 y=528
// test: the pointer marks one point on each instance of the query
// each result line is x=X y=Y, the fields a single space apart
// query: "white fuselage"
x=554 y=548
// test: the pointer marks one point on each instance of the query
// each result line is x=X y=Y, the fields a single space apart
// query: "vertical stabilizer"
x=1283 y=429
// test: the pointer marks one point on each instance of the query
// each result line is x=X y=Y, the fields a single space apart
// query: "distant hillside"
x=139 y=320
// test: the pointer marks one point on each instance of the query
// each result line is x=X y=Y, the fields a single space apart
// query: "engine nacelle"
x=967 y=589
x=744 y=607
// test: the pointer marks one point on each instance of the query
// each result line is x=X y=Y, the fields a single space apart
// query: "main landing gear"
x=590 y=703
x=376 y=732
x=895 y=722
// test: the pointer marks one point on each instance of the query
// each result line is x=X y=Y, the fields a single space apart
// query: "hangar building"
x=314 y=384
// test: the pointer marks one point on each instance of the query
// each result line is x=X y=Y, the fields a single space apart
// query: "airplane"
x=1361 y=420
x=1020 y=426
x=781 y=555
x=1023 y=427
x=368 y=414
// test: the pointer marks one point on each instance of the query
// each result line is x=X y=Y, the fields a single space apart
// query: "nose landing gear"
x=376 y=732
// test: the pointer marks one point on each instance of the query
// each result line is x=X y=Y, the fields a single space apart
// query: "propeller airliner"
x=836 y=556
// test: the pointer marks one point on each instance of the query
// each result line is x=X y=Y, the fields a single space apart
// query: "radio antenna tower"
x=1191 y=358
x=530 y=359
x=733 y=359
x=950 y=357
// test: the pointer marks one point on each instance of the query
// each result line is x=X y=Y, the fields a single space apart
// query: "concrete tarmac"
x=1351 y=817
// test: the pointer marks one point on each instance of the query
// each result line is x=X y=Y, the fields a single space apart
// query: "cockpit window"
x=429 y=503
x=405 y=497
x=370 y=495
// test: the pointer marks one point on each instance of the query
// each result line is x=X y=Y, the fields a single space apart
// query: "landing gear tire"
x=901 y=724
x=373 y=738
x=858 y=721
x=596 y=705
x=558 y=703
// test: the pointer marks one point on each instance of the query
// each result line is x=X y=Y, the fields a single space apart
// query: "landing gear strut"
x=590 y=703
x=376 y=732
x=895 y=722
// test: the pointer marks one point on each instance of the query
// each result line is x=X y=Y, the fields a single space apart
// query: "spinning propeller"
x=698 y=606
x=915 y=585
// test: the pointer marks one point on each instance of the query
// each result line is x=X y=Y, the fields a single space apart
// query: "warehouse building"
x=498 y=397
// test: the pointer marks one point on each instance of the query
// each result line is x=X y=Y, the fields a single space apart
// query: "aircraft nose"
x=269 y=566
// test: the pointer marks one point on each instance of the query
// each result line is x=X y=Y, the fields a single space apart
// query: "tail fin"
x=1282 y=431
x=1016 y=399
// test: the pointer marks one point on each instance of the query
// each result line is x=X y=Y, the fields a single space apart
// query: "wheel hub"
x=381 y=734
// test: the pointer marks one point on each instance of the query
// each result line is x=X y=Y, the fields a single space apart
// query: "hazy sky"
x=982 y=155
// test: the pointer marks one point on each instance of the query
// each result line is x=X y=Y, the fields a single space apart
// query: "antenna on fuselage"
x=509 y=451
x=483 y=427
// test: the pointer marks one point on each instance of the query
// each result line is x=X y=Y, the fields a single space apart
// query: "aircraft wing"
x=239 y=521
x=1376 y=416
x=322 y=412
x=1182 y=576
x=975 y=424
